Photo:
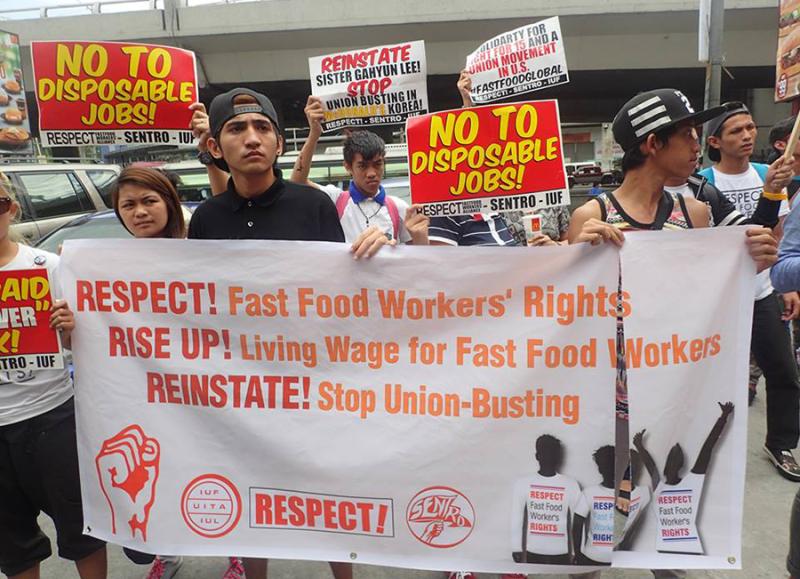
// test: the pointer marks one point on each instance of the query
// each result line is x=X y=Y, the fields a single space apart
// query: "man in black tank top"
x=657 y=131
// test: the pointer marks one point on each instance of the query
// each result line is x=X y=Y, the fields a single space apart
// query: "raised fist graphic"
x=128 y=466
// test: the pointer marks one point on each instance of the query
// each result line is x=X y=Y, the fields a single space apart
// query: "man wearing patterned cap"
x=657 y=131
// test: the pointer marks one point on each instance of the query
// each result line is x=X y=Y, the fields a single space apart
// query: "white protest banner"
x=687 y=353
x=434 y=409
x=383 y=85
x=523 y=60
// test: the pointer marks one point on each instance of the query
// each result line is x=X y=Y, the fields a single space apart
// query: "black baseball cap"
x=222 y=110
x=653 y=111
x=714 y=127
x=782 y=130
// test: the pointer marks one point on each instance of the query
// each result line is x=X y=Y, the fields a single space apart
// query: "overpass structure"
x=615 y=48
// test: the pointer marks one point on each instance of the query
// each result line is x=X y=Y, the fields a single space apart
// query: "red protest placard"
x=104 y=93
x=487 y=159
x=26 y=339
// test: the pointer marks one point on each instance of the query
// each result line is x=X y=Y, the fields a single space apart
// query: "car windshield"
x=97 y=228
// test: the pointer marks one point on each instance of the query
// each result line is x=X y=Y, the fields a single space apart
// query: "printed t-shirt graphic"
x=640 y=497
x=744 y=190
x=596 y=505
x=676 y=509
x=549 y=502
x=25 y=393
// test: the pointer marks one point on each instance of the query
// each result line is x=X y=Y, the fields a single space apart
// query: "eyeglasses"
x=5 y=204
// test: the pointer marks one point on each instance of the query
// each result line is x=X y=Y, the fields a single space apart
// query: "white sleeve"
x=331 y=190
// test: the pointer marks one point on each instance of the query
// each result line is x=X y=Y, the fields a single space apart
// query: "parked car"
x=593 y=174
x=51 y=195
x=326 y=168
x=572 y=167
x=99 y=225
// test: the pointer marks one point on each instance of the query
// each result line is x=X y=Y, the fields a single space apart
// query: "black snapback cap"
x=222 y=110
x=653 y=111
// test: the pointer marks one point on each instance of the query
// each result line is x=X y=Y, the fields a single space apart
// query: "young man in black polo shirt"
x=259 y=204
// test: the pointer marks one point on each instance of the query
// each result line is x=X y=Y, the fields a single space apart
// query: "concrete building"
x=614 y=48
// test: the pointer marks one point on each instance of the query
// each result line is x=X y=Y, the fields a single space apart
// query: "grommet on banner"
x=732 y=560
x=354 y=556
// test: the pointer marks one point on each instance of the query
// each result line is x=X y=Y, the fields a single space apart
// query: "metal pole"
x=715 y=59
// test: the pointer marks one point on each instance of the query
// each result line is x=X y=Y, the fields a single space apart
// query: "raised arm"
x=315 y=113
x=647 y=460
x=701 y=464
x=217 y=178
x=464 y=85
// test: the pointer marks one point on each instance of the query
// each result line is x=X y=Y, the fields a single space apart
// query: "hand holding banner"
x=487 y=159
x=105 y=93
x=376 y=86
x=529 y=58
x=27 y=342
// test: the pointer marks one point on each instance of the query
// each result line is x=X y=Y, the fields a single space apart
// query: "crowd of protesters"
x=240 y=140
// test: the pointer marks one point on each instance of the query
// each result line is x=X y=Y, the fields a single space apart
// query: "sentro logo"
x=211 y=506
x=440 y=517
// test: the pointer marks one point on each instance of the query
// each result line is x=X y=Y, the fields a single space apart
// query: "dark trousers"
x=772 y=349
x=793 y=561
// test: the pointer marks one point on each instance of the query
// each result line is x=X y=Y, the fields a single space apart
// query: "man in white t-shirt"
x=731 y=139
x=593 y=524
x=676 y=499
x=542 y=509
x=365 y=203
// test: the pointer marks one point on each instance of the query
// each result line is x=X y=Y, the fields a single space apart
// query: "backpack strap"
x=341 y=202
x=682 y=203
x=761 y=169
x=391 y=207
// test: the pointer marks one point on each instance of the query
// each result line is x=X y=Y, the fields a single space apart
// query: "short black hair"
x=781 y=130
x=367 y=143
x=604 y=454
x=634 y=157
x=547 y=443
x=714 y=154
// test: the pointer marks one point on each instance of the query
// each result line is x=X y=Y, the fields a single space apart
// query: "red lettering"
x=347 y=520
x=313 y=510
x=85 y=299
x=297 y=518
x=155 y=388
x=290 y=392
x=366 y=509
x=263 y=509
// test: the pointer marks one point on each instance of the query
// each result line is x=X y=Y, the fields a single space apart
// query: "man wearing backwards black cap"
x=778 y=139
x=657 y=131
x=259 y=204
x=245 y=141
x=731 y=138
